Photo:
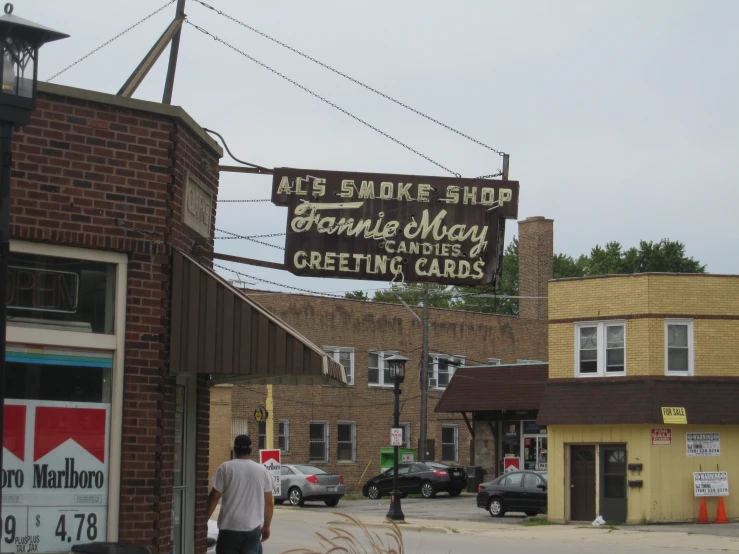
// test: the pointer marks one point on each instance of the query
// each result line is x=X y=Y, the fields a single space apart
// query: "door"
x=582 y=483
x=613 y=482
x=183 y=508
x=513 y=493
x=535 y=493
x=411 y=482
x=541 y=453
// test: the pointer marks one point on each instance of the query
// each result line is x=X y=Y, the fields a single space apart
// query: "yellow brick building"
x=621 y=348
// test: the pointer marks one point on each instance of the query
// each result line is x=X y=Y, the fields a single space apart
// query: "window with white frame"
x=600 y=349
x=406 y=427
x=239 y=426
x=345 y=356
x=441 y=369
x=378 y=374
x=318 y=439
x=493 y=361
x=449 y=443
x=283 y=435
x=346 y=438
x=678 y=347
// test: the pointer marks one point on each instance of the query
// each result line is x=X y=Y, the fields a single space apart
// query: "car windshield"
x=310 y=470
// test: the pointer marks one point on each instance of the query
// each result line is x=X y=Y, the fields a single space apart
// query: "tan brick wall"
x=220 y=426
x=645 y=301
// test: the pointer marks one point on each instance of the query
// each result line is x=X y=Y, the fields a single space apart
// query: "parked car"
x=517 y=491
x=301 y=483
x=417 y=477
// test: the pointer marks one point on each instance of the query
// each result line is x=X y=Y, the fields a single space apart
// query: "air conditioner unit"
x=433 y=383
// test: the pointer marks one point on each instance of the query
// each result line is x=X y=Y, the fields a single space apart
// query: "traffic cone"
x=721 y=512
x=703 y=512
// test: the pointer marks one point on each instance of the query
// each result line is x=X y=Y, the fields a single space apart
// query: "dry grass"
x=336 y=540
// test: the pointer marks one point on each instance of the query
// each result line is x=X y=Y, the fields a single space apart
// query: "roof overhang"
x=217 y=330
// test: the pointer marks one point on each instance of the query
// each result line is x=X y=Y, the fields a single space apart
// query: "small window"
x=318 y=449
x=406 y=427
x=493 y=361
x=449 y=443
x=678 y=347
x=378 y=374
x=347 y=442
x=283 y=435
x=600 y=349
x=239 y=426
x=345 y=356
x=262 y=435
x=441 y=370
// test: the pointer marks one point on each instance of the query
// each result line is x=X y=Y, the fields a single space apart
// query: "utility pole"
x=506 y=162
x=424 y=375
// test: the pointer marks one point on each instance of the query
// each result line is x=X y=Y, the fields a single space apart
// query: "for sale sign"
x=54 y=475
x=711 y=483
x=271 y=460
x=661 y=437
x=703 y=444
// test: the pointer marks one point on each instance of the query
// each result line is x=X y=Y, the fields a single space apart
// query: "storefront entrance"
x=183 y=502
x=582 y=483
x=613 y=482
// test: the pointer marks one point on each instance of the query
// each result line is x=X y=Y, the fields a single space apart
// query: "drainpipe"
x=270 y=438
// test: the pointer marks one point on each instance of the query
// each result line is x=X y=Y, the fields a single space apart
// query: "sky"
x=621 y=118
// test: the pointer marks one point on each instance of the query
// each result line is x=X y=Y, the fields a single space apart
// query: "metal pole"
x=424 y=376
x=396 y=513
x=506 y=162
x=174 y=50
x=6 y=157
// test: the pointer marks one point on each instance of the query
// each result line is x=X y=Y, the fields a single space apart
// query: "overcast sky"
x=621 y=117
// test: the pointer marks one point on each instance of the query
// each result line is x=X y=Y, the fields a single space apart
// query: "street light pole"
x=396 y=367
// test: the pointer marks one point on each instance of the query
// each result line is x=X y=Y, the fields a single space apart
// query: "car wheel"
x=427 y=490
x=531 y=514
x=455 y=492
x=332 y=502
x=496 y=508
x=373 y=492
x=295 y=497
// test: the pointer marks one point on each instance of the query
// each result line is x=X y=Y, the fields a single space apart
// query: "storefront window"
x=60 y=293
x=512 y=440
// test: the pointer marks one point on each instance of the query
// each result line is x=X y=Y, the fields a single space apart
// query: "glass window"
x=286 y=471
x=345 y=356
x=679 y=344
x=378 y=374
x=318 y=449
x=449 y=443
x=513 y=480
x=346 y=439
x=309 y=470
x=262 y=427
x=601 y=349
x=588 y=350
x=615 y=348
x=441 y=370
x=60 y=293
x=530 y=480
x=283 y=435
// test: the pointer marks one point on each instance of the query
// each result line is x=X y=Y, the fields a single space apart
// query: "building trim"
x=725 y=317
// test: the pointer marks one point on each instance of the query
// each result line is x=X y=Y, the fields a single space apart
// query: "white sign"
x=711 y=483
x=396 y=436
x=407 y=458
x=270 y=459
x=54 y=475
x=703 y=444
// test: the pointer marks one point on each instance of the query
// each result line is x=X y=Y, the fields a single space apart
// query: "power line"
x=109 y=41
x=352 y=79
x=321 y=98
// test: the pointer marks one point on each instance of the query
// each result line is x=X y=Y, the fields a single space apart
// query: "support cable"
x=352 y=79
x=225 y=145
x=70 y=66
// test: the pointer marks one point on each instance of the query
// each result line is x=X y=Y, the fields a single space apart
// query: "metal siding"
x=210 y=325
x=245 y=340
x=227 y=331
x=192 y=291
x=280 y=354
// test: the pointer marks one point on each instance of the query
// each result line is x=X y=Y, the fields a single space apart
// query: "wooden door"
x=582 y=483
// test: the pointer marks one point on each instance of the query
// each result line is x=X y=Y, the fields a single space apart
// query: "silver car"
x=301 y=483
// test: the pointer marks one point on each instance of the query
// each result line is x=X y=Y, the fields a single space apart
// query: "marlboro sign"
x=270 y=459
x=385 y=227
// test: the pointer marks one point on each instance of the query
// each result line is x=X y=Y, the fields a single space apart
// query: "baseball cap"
x=242 y=441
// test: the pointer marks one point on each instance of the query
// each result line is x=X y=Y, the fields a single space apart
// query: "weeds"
x=535 y=522
x=363 y=541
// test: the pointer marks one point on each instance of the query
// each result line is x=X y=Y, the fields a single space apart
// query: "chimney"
x=535 y=265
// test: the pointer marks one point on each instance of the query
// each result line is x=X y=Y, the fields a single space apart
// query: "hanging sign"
x=384 y=227
x=674 y=415
x=54 y=475
x=661 y=437
x=711 y=483
x=260 y=414
x=703 y=444
x=271 y=460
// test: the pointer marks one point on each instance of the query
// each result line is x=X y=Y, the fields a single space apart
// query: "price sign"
x=396 y=436
x=271 y=460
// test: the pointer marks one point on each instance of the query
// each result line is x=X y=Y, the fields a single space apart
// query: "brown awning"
x=638 y=400
x=218 y=330
x=493 y=388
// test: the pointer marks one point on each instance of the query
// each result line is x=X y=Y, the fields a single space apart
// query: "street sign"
x=711 y=483
x=270 y=459
x=396 y=437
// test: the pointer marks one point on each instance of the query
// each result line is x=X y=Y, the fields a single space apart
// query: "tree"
x=665 y=256
x=412 y=294
x=357 y=295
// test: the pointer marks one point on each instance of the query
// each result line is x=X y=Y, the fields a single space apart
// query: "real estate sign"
x=388 y=227
x=703 y=444
x=711 y=483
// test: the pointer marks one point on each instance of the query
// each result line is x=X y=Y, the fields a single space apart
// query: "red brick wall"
x=79 y=168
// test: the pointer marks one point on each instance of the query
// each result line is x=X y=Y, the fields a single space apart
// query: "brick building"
x=113 y=330
x=344 y=428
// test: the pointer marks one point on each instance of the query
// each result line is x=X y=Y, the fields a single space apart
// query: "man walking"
x=245 y=488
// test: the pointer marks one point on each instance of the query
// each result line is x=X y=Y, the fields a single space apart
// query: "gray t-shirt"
x=242 y=484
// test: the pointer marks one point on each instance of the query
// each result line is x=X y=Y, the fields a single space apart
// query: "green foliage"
x=412 y=294
x=357 y=295
x=665 y=256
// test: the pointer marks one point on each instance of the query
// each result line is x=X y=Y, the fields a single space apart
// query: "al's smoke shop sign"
x=380 y=227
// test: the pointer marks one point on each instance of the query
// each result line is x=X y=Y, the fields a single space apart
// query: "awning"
x=494 y=388
x=639 y=400
x=216 y=329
